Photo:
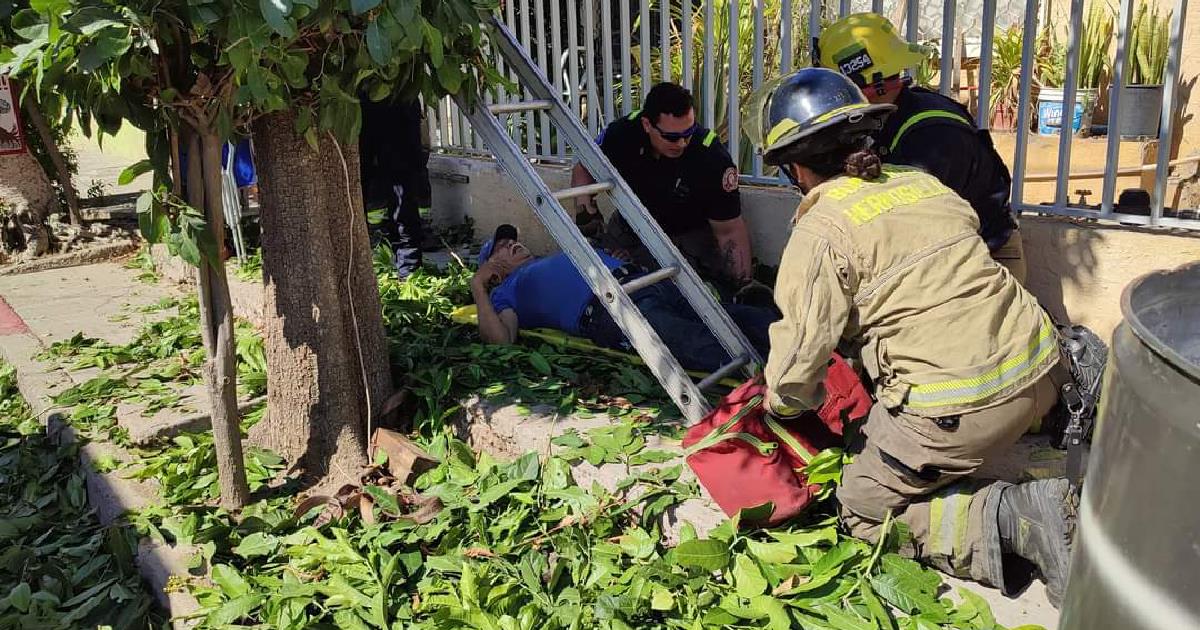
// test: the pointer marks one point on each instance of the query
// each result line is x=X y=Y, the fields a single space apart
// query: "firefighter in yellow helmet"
x=885 y=262
x=927 y=130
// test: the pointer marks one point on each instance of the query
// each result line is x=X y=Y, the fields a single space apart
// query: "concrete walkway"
x=38 y=309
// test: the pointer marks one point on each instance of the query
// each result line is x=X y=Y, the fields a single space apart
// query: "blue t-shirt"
x=547 y=293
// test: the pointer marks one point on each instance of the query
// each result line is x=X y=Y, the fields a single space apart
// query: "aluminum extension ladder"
x=548 y=205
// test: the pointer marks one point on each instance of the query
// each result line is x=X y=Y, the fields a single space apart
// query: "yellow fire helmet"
x=867 y=48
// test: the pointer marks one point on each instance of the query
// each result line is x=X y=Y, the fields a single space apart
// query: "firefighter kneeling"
x=886 y=261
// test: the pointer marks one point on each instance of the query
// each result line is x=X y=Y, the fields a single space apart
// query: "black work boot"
x=1035 y=521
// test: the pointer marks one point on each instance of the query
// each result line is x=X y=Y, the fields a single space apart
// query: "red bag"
x=746 y=459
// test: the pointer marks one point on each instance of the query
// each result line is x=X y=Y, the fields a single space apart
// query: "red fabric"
x=738 y=475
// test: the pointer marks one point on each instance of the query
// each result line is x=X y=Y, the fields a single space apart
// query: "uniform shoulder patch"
x=729 y=181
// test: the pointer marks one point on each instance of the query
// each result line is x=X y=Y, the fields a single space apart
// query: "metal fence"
x=602 y=55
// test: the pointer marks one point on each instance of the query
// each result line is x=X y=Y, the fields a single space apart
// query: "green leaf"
x=450 y=76
x=234 y=609
x=20 y=596
x=106 y=45
x=133 y=171
x=276 y=12
x=771 y=553
x=540 y=363
x=705 y=553
x=433 y=41
x=360 y=7
x=879 y=612
x=910 y=573
x=230 y=581
x=383 y=498
x=526 y=468
x=904 y=597
x=378 y=44
x=256 y=544
x=986 y=619
x=570 y=439
x=653 y=456
x=808 y=538
x=747 y=578
x=661 y=598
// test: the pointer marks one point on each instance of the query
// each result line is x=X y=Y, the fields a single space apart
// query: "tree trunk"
x=64 y=174
x=216 y=324
x=26 y=199
x=325 y=342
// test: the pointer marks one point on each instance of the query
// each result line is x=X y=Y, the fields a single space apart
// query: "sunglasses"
x=676 y=136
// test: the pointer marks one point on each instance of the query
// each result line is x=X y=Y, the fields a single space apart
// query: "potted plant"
x=1094 y=43
x=1141 y=96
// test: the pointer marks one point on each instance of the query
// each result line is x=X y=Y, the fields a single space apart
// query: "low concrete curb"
x=111 y=494
x=246 y=297
x=86 y=256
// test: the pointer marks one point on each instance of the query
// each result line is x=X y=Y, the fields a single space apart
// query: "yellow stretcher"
x=467 y=315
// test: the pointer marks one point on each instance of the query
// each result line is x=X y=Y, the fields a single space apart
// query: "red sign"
x=11 y=139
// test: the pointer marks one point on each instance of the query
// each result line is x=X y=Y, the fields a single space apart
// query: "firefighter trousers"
x=918 y=468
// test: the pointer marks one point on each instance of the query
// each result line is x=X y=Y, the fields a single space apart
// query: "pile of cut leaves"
x=520 y=545
x=59 y=568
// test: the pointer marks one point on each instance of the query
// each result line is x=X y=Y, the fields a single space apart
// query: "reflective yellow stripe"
x=949 y=512
x=967 y=390
x=708 y=140
x=838 y=110
x=926 y=115
x=634 y=114
x=787 y=438
x=780 y=128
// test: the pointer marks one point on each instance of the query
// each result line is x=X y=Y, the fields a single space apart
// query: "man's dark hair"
x=666 y=98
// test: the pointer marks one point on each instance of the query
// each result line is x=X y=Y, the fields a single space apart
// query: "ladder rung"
x=523 y=106
x=654 y=277
x=580 y=191
x=725 y=370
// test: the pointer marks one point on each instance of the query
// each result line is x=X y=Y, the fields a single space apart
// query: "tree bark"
x=216 y=323
x=328 y=369
x=60 y=165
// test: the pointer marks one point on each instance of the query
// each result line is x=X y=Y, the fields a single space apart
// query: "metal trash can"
x=1136 y=561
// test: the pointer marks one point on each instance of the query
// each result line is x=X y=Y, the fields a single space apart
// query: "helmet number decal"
x=729 y=181
x=855 y=62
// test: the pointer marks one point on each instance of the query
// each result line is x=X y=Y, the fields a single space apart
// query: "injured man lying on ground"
x=514 y=289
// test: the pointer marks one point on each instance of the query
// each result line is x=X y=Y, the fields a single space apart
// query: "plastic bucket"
x=1141 y=108
x=1050 y=108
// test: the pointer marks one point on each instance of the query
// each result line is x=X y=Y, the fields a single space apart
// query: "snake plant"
x=1148 y=45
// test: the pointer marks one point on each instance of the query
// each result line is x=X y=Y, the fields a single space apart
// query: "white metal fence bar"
x=1166 y=119
x=594 y=94
x=814 y=29
x=1120 y=67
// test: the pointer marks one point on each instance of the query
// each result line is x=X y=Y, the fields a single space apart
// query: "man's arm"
x=498 y=328
x=587 y=215
x=733 y=243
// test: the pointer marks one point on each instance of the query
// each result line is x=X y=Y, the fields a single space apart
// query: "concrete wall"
x=1076 y=269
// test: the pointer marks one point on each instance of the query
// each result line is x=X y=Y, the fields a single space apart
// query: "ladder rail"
x=670 y=374
x=715 y=318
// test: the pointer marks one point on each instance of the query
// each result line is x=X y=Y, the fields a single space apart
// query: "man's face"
x=669 y=135
x=509 y=254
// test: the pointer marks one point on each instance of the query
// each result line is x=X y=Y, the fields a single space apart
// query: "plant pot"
x=1050 y=114
x=1141 y=108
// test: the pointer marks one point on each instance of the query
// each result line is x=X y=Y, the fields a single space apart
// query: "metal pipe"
x=814 y=28
x=785 y=37
x=948 y=43
x=1166 y=124
x=1124 y=171
x=572 y=57
x=556 y=56
x=540 y=28
x=579 y=191
x=877 y=6
x=664 y=34
x=734 y=82
x=686 y=32
x=530 y=140
x=644 y=48
x=519 y=106
x=710 y=97
x=1018 y=188
x=1123 y=219
x=756 y=78
x=843 y=8
x=986 y=53
x=1120 y=67
x=610 y=113
x=626 y=70
x=913 y=20
x=1070 y=85
x=589 y=58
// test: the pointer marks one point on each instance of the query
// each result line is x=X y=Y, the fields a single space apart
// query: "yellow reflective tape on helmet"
x=780 y=128
x=926 y=115
x=968 y=390
x=708 y=139
x=827 y=116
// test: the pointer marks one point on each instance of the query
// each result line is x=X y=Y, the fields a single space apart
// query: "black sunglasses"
x=676 y=136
